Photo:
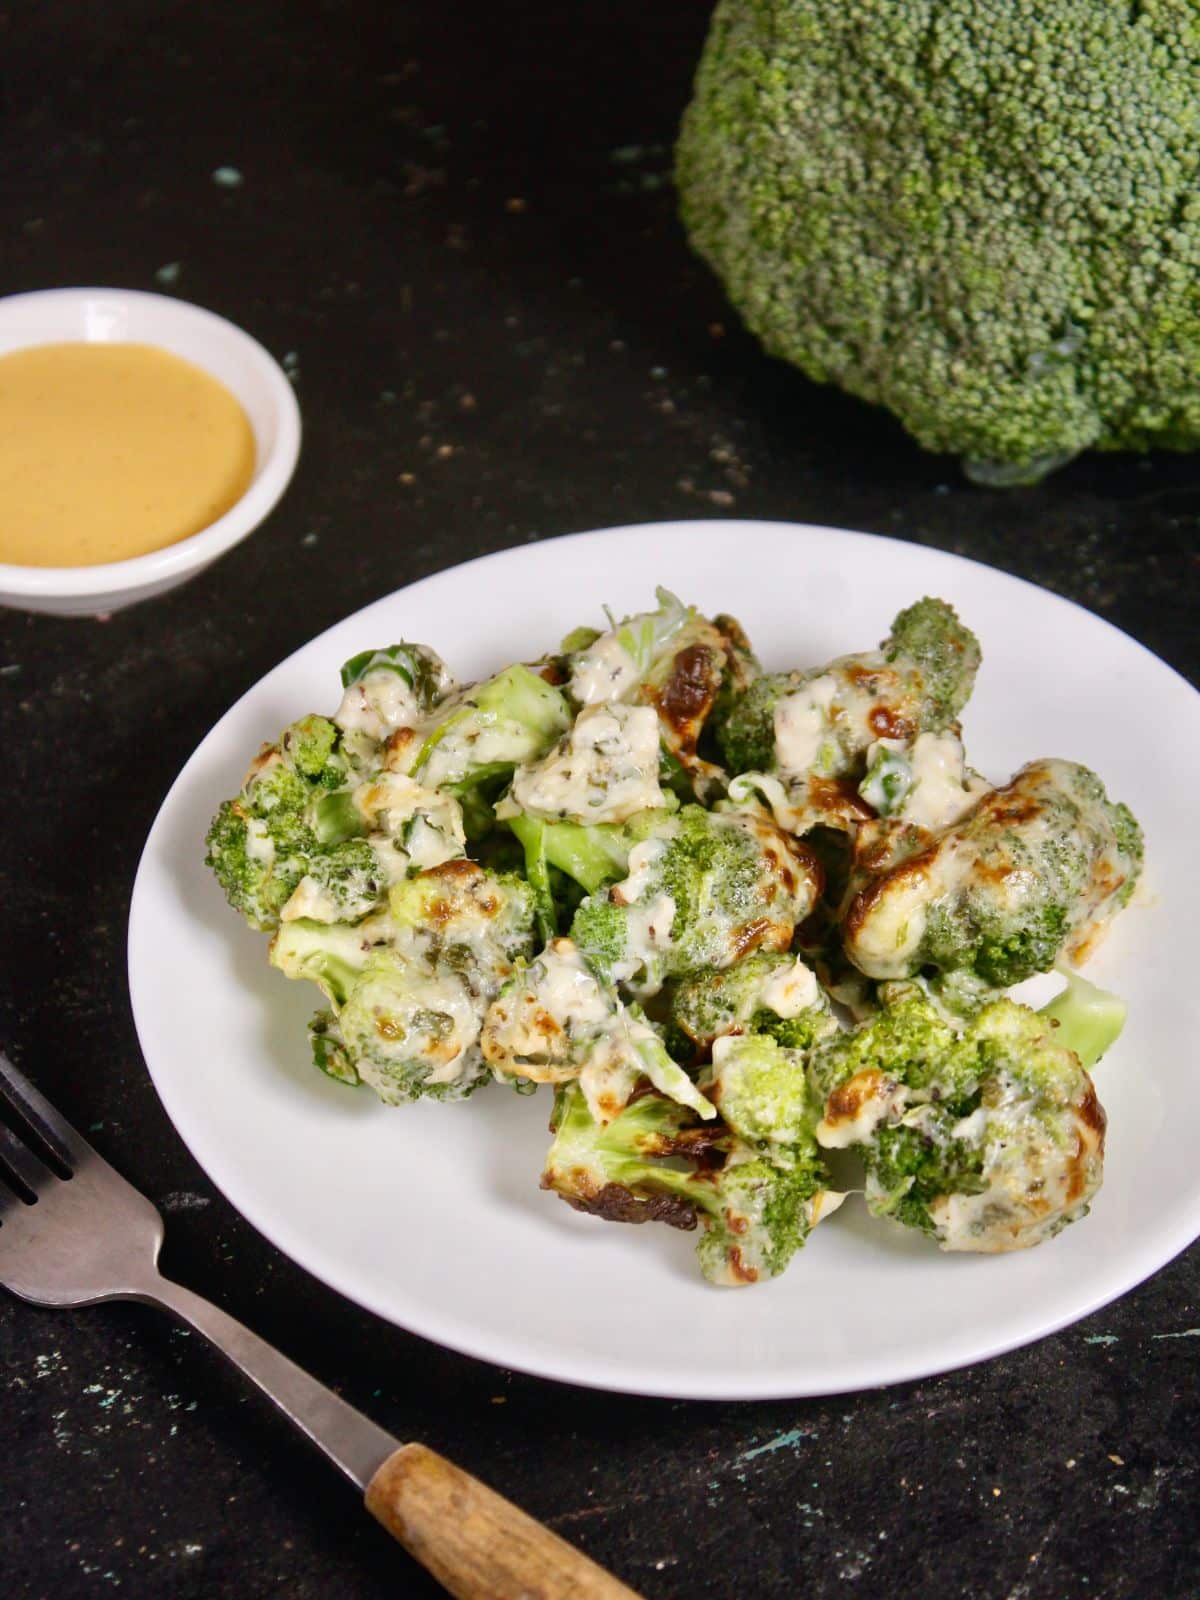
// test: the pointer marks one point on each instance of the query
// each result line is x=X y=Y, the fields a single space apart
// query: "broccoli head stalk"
x=704 y=890
x=820 y=723
x=591 y=855
x=656 y=1161
x=988 y=1138
x=980 y=218
x=1033 y=873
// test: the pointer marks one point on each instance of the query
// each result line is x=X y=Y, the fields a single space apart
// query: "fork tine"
x=21 y=1163
x=55 y=1132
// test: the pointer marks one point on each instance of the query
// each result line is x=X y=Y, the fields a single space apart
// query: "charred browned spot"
x=459 y=870
x=265 y=755
x=839 y=803
x=616 y=1204
x=551 y=672
x=546 y=1025
x=388 y=1028
x=752 y=935
x=1011 y=806
x=1092 y=1114
x=738 y=1268
x=888 y=723
x=686 y=698
x=238 y=810
x=914 y=870
x=396 y=747
x=847 y=1100
x=1089 y=1148
x=709 y=1136
x=871 y=680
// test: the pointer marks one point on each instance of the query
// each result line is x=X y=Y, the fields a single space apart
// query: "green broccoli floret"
x=590 y=856
x=703 y=891
x=409 y=987
x=987 y=1136
x=555 y=1020
x=676 y=660
x=329 y=1051
x=1033 y=873
x=473 y=739
x=656 y=1162
x=260 y=845
x=981 y=218
x=769 y=993
x=821 y=722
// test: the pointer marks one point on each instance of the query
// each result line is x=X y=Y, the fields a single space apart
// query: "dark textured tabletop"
x=456 y=228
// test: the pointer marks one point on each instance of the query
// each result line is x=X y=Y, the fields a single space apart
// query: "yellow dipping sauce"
x=111 y=450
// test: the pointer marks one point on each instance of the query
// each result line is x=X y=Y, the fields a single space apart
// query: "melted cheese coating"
x=790 y=990
x=605 y=769
x=604 y=672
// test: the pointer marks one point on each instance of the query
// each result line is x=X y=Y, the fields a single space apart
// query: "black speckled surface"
x=456 y=225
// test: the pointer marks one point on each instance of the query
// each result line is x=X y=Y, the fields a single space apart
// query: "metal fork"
x=74 y=1232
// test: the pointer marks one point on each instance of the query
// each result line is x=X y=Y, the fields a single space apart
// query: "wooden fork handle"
x=475 y=1543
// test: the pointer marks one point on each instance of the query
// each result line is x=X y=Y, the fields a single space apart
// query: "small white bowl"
x=60 y=315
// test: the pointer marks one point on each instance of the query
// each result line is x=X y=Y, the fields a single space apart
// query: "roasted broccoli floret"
x=767 y=993
x=656 y=1161
x=820 y=723
x=408 y=987
x=673 y=659
x=554 y=1021
x=977 y=216
x=705 y=890
x=468 y=746
x=987 y=1136
x=385 y=690
x=261 y=843
x=1032 y=873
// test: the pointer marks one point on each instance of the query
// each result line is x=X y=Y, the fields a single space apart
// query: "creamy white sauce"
x=883 y=1101
x=260 y=846
x=647 y=937
x=941 y=793
x=432 y=824
x=378 y=703
x=790 y=990
x=643 y=859
x=802 y=725
x=605 y=671
x=309 y=900
x=605 y=769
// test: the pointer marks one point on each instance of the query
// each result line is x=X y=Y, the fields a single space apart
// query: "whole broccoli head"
x=822 y=721
x=1035 y=871
x=705 y=890
x=656 y=1162
x=981 y=216
x=990 y=1138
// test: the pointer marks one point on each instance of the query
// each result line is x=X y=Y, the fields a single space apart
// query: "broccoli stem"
x=335 y=818
x=1089 y=1019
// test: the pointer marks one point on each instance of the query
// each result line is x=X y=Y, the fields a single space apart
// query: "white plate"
x=432 y=1216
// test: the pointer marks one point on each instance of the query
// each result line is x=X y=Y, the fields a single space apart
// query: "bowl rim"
x=196 y=550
